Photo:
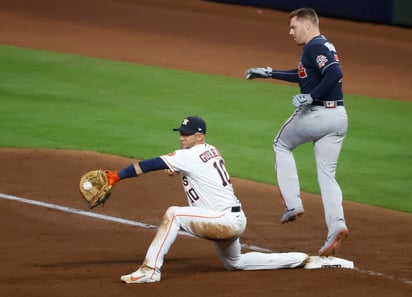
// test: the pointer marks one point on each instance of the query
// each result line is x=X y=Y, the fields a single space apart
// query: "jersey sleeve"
x=331 y=77
x=286 y=75
x=179 y=160
x=326 y=79
x=322 y=56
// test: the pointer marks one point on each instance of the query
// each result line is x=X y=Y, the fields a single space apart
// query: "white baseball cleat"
x=291 y=214
x=317 y=262
x=333 y=242
x=144 y=274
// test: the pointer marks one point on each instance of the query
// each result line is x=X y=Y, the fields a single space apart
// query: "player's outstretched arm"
x=136 y=169
x=286 y=75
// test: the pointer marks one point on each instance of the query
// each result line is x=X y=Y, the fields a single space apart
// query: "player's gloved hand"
x=252 y=73
x=112 y=177
x=302 y=100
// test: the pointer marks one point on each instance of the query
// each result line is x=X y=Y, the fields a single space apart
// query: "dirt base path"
x=50 y=252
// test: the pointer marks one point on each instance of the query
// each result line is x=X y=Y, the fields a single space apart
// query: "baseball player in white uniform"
x=214 y=212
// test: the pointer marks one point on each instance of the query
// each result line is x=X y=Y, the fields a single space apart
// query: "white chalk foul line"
x=105 y=217
x=148 y=226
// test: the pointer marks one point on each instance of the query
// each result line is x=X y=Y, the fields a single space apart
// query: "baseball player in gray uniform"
x=214 y=211
x=320 y=117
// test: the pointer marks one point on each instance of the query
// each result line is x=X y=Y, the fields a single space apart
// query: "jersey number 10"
x=224 y=176
x=221 y=169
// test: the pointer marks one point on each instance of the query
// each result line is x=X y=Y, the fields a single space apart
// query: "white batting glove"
x=252 y=73
x=302 y=100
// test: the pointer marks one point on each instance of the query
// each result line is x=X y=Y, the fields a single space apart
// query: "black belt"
x=328 y=104
x=236 y=208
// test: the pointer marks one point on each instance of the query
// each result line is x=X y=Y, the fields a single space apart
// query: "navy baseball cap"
x=191 y=125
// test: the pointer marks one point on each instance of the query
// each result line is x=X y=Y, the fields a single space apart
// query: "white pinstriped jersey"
x=205 y=179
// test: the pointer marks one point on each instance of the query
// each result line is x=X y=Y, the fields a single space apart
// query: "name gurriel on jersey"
x=209 y=155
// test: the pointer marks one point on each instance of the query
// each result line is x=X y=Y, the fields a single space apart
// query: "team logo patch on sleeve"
x=321 y=60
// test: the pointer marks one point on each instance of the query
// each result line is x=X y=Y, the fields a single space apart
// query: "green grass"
x=51 y=100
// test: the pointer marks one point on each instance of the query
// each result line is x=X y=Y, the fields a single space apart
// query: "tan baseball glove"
x=94 y=187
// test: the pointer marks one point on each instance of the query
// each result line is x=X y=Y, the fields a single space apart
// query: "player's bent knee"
x=278 y=148
x=172 y=211
x=170 y=214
